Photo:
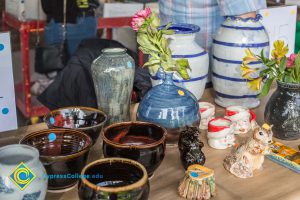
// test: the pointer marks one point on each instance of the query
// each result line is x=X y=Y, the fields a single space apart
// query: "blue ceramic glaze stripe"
x=227 y=96
x=234 y=61
x=255 y=45
x=229 y=78
x=244 y=28
x=190 y=55
x=183 y=81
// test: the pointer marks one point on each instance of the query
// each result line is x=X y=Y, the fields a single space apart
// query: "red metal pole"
x=109 y=33
x=24 y=31
x=3 y=24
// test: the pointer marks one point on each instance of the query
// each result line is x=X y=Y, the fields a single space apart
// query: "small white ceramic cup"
x=220 y=133
x=242 y=118
x=207 y=111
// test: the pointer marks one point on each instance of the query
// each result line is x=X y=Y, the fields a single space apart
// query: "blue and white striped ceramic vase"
x=170 y=106
x=233 y=38
x=183 y=45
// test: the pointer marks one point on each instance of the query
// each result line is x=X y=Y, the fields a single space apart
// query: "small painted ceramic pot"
x=198 y=183
x=115 y=179
x=86 y=119
x=220 y=133
x=140 y=141
x=22 y=175
x=241 y=117
x=207 y=111
x=63 y=153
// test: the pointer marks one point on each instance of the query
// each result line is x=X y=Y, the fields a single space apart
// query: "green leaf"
x=183 y=65
x=266 y=88
x=168 y=26
x=282 y=64
x=168 y=32
x=152 y=61
x=264 y=72
x=262 y=56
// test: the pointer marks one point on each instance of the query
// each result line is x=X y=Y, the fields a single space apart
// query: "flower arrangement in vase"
x=283 y=107
x=156 y=107
x=152 y=42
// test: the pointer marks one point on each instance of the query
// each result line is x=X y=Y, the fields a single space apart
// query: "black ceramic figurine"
x=190 y=147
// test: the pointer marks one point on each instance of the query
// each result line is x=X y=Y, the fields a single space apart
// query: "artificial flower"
x=250 y=57
x=255 y=84
x=291 y=60
x=247 y=71
x=139 y=18
x=279 y=50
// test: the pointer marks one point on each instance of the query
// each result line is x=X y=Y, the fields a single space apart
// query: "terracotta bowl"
x=114 y=178
x=63 y=153
x=88 y=120
x=140 y=141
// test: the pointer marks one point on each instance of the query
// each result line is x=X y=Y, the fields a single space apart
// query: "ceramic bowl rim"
x=216 y=119
x=34 y=150
x=46 y=117
x=141 y=182
x=154 y=144
x=60 y=157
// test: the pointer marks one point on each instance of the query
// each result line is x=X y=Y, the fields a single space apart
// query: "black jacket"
x=75 y=8
x=74 y=85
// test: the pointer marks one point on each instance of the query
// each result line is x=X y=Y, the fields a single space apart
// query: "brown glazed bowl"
x=63 y=153
x=140 y=141
x=86 y=119
x=114 y=179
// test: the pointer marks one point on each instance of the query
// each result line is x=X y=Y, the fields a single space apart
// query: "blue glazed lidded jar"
x=170 y=106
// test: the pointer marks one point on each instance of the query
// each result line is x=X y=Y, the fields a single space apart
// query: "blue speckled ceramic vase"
x=170 y=106
x=113 y=75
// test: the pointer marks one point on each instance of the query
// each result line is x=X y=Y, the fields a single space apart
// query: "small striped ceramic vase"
x=183 y=45
x=233 y=38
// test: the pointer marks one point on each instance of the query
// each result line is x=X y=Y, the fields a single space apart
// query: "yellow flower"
x=250 y=57
x=255 y=84
x=247 y=71
x=279 y=50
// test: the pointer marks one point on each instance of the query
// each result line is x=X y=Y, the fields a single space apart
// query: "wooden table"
x=273 y=182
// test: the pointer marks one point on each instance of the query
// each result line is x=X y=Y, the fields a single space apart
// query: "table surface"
x=272 y=182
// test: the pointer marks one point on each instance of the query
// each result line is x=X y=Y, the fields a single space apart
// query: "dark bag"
x=50 y=58
x=53 y=57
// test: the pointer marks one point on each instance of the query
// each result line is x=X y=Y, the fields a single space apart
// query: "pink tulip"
x=291 y=60
x=139 y=18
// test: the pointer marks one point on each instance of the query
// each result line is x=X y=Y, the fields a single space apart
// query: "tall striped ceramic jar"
x=233 y=38
x=183 y=45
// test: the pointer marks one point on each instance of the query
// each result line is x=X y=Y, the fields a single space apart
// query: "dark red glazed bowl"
x=140 y=141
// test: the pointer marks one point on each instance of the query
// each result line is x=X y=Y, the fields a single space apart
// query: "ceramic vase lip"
x=53 y=112
x=132 y=123
x=257 y=18
x=132 y=186
x=27 y=150
x=60 y=157
x=183 y=28
x=292 y=86
x=114 y=51
x=212 y=127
